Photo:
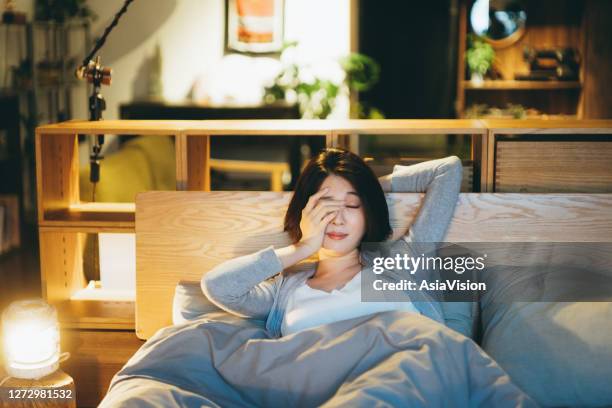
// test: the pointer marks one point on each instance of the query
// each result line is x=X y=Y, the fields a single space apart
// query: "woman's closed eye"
x=353 y=206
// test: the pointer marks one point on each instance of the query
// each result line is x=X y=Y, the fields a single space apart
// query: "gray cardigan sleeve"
x=440 y=179
x=241 y=285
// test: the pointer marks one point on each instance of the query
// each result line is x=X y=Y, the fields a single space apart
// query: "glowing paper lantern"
x=31 y=339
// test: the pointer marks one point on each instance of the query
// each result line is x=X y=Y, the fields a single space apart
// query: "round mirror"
x=500 y=22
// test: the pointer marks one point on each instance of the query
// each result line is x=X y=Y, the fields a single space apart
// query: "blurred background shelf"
x=521 y=85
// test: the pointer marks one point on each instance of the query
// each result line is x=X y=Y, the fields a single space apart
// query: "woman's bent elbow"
x=455 y=167
x=209 y=287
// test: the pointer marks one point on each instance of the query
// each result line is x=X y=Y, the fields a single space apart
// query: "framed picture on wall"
x=254 y=26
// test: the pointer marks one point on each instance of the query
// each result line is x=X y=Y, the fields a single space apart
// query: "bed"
x=552 y=353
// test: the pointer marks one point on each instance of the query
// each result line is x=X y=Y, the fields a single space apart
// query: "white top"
x=308 y=307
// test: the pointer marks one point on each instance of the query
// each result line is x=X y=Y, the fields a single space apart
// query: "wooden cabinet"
x=65 y=218
x=549 y=24
x=506 y=155
x=549 y=156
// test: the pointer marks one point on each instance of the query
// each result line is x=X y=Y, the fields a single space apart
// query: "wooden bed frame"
x=182 y=234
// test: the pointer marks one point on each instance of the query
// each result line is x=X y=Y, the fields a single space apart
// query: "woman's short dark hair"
x=353 y=169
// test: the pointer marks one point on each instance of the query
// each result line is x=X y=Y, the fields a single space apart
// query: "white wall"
x=191 y=36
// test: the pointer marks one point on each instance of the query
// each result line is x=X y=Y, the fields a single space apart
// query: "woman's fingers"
x=323 y=208
x=327 y=219
x=312 y=201
x=325 y=214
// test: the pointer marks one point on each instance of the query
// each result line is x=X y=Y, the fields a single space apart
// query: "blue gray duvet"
x=387 y=359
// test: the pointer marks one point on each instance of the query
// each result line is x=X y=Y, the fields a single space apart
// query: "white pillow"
x=190 y=303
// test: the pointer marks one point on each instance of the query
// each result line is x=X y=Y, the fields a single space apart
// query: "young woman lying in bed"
x=338 y=204
x=328 y=349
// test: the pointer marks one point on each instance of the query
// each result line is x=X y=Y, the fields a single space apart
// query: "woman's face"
x=347 y=228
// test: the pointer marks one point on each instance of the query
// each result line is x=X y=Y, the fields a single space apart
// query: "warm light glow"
x=31 y=339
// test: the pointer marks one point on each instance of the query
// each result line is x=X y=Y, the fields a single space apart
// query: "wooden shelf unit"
x=542 y=156
x=65 y=221
x=549 y=24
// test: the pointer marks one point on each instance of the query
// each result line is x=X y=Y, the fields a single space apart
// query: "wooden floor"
x=95 y=355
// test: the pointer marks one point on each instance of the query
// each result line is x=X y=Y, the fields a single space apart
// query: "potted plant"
x=316 y=87
x=479 y=57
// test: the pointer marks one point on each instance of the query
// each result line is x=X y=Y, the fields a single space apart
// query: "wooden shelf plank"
x=118 y=216
x=408 y=126
x=265 y=127
x=96 y=314
x=191 y=127
x=510 y=85
x=546 y=126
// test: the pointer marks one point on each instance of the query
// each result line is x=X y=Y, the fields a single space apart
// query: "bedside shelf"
x=101 y=314
x=118 y=217
x=65 y=221
x=512 y=85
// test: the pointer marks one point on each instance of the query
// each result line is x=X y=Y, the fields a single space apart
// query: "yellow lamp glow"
x=31 y=339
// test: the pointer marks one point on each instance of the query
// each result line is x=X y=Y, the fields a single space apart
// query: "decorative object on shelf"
x=511 y=111
x=551 y=64
x=10 y=16
x=31 y=339
x=479 y=57
x=254 y=26
x=316 y=88
x=155 y=86
x=62 y=10
x=499 y=22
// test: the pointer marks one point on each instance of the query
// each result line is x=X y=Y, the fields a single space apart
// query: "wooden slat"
x=488 y=176
x=180 y=147
x=57 y=171
x=193 y=127
x=542 y=167
x=325 y=127
x=407 y=126
x=61 y=264
x=266 y=127
x=596 y=57
x=119 y=216
x=542 y=126
x=461 y=37
x=181 y=235
x=96 y=314
x=198 y=163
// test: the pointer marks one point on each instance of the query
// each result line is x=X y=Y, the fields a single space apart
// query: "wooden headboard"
x=182 y=234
